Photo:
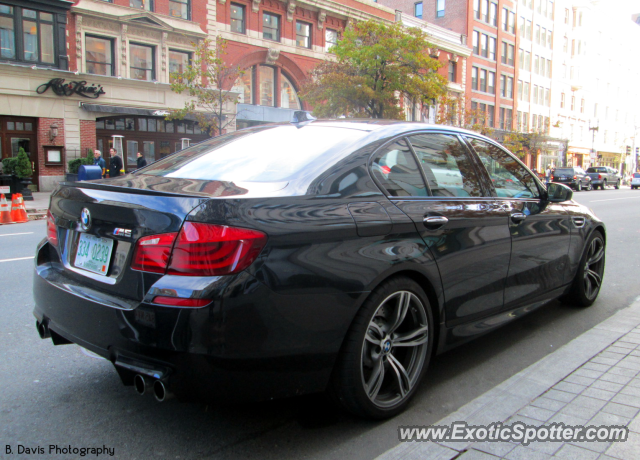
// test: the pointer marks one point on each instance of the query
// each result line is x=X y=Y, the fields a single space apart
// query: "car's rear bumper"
x=245 y=347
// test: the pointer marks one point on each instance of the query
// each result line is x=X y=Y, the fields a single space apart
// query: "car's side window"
x=396 y=169
x=446 y=165
x=509 y=178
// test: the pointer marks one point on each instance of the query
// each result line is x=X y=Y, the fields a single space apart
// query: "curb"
x=507 y=398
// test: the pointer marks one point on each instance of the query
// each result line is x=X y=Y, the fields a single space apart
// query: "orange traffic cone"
x=5 y=211
x=18 y=211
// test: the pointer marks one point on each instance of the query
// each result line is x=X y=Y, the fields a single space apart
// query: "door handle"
x=518 y=217
x=434 y=222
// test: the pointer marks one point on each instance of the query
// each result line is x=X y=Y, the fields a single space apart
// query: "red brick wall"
x=87 y=136
x=44 y=124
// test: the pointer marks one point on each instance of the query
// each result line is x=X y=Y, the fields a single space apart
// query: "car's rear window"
x=262 y=154
x=597 y=170
x=563 y=171
x=636 y=175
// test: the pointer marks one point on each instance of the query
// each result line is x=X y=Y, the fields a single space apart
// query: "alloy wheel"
x=594 y=268
x=394 y=349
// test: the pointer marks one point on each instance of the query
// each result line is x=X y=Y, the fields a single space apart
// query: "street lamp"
x=593 y=130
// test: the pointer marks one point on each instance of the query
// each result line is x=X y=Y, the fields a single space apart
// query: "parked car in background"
x=635 y=181
x=294 y=258
x=602 y=176
x=574 y=177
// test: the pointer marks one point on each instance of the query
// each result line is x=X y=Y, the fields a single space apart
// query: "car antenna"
x=302 y=116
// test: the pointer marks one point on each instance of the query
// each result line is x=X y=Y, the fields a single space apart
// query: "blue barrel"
x=89 y=172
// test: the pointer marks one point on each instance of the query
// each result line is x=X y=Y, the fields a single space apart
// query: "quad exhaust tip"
x=142 y=384
x=161 y=392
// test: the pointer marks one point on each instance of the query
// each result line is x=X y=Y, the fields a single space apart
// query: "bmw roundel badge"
x=85 y=219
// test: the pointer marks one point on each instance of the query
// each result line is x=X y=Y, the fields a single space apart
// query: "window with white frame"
x=330 y=39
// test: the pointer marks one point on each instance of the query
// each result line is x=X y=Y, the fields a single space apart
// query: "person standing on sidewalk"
x=99 y=161
x=141 y=161
x=116 y=167
x=547 y=175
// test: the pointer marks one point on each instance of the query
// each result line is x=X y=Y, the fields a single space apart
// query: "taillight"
x=152 y=253
x=575 y=177
x=599 y=176
x=199 y=250
x=52 y=229
x=214 y=250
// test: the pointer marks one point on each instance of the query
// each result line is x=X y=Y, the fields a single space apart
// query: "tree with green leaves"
x=455 y=110
x=203 y=80
x=376 y=66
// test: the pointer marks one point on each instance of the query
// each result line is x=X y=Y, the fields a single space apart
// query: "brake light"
x=575 y=177
x=52 y=229
x=214 y=250
x=180 y=301
x=153 y=252
x=599 y=176
x=199 y=250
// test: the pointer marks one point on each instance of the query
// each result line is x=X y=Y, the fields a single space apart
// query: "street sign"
x=5 y=189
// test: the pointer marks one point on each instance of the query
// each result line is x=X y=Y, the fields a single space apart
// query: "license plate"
x=563 y=177
x=94 y=253
x=146 y=318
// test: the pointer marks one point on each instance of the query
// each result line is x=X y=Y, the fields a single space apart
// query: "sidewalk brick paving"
x=603 y=389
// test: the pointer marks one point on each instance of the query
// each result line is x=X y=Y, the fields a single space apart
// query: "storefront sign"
x=60 y=88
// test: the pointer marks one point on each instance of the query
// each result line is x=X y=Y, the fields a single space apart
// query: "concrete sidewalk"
x=40 y=203
x=592 y=380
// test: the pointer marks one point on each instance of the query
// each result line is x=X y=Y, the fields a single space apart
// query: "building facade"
x=490 y=28
x=85 y=74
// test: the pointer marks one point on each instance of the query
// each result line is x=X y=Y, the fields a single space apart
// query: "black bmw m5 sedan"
x=293 y=258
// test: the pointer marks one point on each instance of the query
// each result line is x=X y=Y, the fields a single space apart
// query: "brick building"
x=76 y=75
x=490 y=26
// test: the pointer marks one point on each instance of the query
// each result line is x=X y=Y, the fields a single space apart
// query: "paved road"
x=61 y=395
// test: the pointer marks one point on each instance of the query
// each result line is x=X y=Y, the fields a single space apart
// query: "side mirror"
x=557 y=193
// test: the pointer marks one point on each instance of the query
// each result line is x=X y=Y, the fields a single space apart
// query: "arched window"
x=267 y=86
x=288 y=95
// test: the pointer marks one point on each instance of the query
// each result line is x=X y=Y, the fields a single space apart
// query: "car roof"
x=381 y=126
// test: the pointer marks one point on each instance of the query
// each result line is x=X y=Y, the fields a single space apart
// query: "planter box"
x=13 y=182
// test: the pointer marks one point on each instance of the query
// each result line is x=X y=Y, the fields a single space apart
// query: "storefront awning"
x=116 y=109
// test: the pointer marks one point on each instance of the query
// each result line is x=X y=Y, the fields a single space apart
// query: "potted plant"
x=9 y=175
x=22 y=169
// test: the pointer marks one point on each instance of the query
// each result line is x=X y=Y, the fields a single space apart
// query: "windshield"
x=564 y=171
x=597 y=170
x=263 y=154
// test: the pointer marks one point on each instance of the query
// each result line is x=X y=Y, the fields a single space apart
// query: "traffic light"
x=628 y=150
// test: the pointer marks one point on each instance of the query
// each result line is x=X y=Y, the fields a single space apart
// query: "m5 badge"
x=122 y=232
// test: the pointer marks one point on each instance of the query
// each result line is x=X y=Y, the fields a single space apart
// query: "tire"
x=588 y=281
x=604 y=185
x=589 y=187
x=617 y=186
x=386 y=351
